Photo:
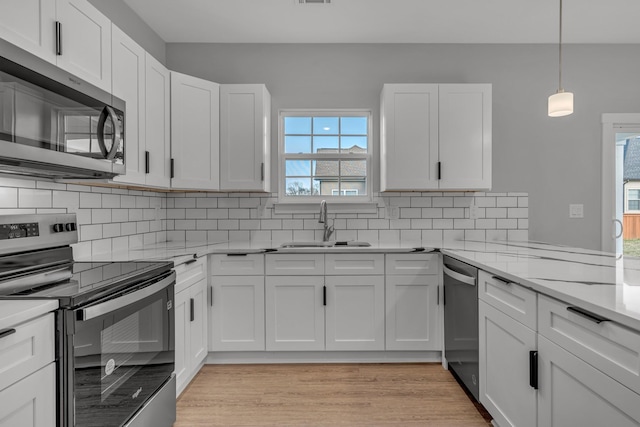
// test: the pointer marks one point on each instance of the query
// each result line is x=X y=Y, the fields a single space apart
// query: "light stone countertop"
x=14 y=312
x=593 y=280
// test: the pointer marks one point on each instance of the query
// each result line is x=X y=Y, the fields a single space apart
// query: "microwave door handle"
x=110 y=113
x=115 y=304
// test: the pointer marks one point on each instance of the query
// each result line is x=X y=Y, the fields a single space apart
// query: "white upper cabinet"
x=409 y=130
x=84 y=42
x=435 y=137
x=157 y=123
x=69 y=33
x=128 y=76
x=30 y=25
x=465 y=136
x=245 y=122
x=195 y=148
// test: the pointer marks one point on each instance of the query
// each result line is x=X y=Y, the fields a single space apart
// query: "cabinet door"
x=183 y=330
x=354 y=313
x=505 y=388
x=412 y=319
x=409 y=137
x=195 y=148
x=197 y=324
x=294 y=313
x=31 y=402
x=85 y=42
x=245 y=117
x=465 y=136
x=237 y=313
x=157 y=122
x=30 y=24
x=574 y=393
x=128 y=77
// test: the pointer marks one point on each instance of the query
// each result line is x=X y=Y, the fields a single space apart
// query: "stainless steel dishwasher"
x=461 y=322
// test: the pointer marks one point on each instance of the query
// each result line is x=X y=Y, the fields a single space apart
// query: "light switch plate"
x=576 y=211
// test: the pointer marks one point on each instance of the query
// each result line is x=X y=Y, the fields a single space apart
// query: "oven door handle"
x=108 y=306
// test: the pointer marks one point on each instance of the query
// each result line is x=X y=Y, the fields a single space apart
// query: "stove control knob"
x=57 y=228
x=70 y=226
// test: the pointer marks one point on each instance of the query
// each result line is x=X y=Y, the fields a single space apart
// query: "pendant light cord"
x=560 y=52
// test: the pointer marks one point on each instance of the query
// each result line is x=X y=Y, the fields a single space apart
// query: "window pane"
x=297 y=144
x=325 y=144
x=325 y=126
x=634 y=205
x=298 y=167
x=634 y=193
x=328 y=169
x=353 y=144
x=353 y=125
x=297 y=125
x=298 y=187
x=353 y=168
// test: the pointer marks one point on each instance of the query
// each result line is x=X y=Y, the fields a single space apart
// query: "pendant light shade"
x=561 y=102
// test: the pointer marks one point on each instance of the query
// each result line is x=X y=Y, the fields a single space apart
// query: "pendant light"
x=561 y=102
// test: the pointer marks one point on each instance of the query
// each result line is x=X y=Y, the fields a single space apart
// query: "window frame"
x=283 y=157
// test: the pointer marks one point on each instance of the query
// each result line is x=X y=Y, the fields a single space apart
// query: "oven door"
x=121 y=354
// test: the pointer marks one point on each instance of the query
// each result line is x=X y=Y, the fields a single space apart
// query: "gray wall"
x=126 y=19
x=556 y=160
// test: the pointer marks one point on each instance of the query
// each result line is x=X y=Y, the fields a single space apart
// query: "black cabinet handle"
x=438 y=296
x=533 y=369
x=587 y=315
x=211 y=296
x=192 y=304
x=262 y=171
x=191 y=261
x=7 y=332
x=172 y=168
x=237 y=254
x=58 y=38
x=500 y=279
x=146 y=162
x=324 y=295
x=439 y=170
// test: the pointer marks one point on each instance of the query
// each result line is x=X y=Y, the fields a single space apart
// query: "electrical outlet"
x=474 y=212
x=576 y=211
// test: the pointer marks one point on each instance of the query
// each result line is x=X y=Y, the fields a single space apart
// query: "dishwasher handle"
x=463 y=278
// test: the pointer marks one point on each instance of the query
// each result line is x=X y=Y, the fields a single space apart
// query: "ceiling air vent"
x=313 y=1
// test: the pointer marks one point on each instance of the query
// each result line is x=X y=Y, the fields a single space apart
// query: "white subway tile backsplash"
x=30 y=198
x=90 y=200
x=8 y=198
x=518 y=212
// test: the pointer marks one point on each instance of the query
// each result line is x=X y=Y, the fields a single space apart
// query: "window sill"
x=333 y=207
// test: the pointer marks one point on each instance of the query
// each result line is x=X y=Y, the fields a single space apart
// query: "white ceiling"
x=391 y=21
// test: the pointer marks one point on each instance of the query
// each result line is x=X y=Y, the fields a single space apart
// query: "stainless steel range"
x=114 y=329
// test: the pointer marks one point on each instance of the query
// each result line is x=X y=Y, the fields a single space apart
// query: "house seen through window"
x=325 y=155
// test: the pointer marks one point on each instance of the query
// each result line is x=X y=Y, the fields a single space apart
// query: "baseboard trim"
x=268 y=357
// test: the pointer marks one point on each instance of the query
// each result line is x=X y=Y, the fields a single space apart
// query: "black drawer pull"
x=7 y=332
x=587 y=315
x=192 y=304
x=500 y=279
x=533 y=369
x=236 y=254
x=324 y=295
x=191 y=261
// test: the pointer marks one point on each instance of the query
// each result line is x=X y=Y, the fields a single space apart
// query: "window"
x=325 y=155
x=633 y=199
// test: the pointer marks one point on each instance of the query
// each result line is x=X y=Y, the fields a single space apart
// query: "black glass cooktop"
x=81 y=282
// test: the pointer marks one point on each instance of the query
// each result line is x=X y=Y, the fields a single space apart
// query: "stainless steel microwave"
x=54 y=125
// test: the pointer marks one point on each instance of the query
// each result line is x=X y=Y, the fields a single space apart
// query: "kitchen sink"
x=338 y=244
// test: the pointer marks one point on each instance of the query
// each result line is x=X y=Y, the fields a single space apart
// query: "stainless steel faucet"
x=324 y=219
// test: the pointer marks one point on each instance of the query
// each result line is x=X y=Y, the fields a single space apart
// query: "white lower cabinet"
x=574 y=393
x=237 y=313
x=294 y=313
x=31 y=402
x=505 y=387
x=191 y=321
x=354 y=313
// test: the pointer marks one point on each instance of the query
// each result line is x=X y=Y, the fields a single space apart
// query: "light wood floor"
x=420 y=394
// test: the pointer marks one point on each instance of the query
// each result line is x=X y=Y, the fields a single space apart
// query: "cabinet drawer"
x=349 y=264
x=190 y=272
x=31 y=401
x=413 y=264
x=508 y=297
x=237 y=265
x=295 y=265
x=608 y=346
x=26 y=350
